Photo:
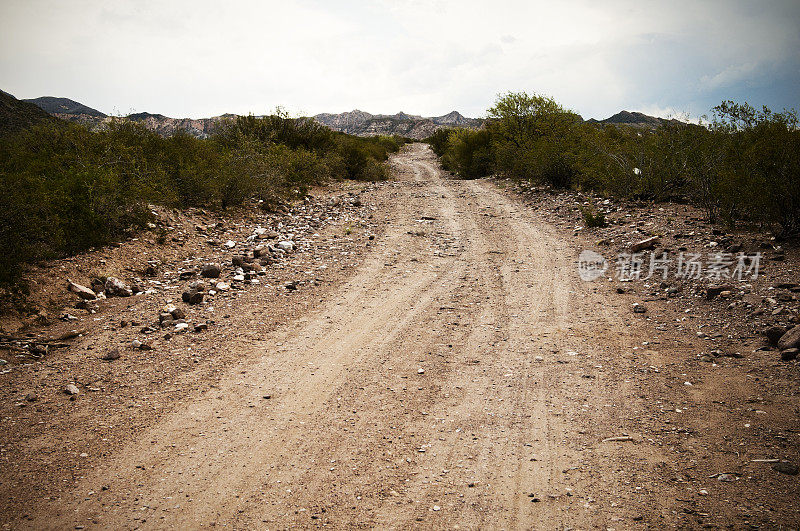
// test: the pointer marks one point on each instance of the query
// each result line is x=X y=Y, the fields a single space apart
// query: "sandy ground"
x=460 y=375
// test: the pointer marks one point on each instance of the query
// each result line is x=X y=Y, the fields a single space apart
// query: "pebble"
x=786 y=468
x=111 y=355
x=71 y=389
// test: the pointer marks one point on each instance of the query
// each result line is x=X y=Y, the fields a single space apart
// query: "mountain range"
x=15 y=114
x=362 y=123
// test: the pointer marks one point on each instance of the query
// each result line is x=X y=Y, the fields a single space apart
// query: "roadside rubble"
x=719 y=309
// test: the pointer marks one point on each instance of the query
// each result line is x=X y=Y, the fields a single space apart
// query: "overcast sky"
x=202 y=58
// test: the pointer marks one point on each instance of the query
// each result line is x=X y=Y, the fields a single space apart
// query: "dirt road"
x=463 y=377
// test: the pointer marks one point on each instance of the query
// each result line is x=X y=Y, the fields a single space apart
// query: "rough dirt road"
x=464 y=377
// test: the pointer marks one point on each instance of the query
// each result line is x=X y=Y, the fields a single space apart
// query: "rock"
x=285 y=245
x=177 y=313
x=291 y=285
x=789 y=354
x=726 y=477
x=98 y=286
x=639 y=308
x=648 y=243
x=111 y=355
x=81 y=291
x=786 y=468
x=237 y=261
x=192 y=297
x=71 y=389
x=198 y=285
x=790 y=339
x=186 y=275
x=200 y=327
x=180 y=327
x=230 y=244
x=142 y=345
x=774 y=333
x=714 y=291
x=31 y=397
x=211 y=271
x=258 y=250
x=117 y=288
x=223 y=286
x=137 y=288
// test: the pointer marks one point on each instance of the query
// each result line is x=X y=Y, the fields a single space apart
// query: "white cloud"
x=199 y=58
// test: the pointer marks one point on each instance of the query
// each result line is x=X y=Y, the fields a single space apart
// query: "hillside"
x=18 y=114
x=67 y=106
x=633 y=119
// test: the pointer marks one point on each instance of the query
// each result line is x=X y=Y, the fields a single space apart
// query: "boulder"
x=789 y=354
x=192 y=296
x=117 y=288
x=790 y=339
x=774 y=334
x=81 y=291
x=211 y=271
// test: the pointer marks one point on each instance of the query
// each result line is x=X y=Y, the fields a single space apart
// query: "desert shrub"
x=593 y=219
x=743 y=167
x=535 y=139
x=468 y=153
x=65 y=189
x=438 y=140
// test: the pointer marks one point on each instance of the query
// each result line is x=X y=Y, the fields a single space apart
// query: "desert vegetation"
x=741 y=165
x=66 y=189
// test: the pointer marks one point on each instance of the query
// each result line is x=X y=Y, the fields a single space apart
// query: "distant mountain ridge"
x=634 y=119
x=355 y=122
x=362 y=123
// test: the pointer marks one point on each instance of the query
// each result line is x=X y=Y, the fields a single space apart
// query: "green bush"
x=593 y=219
x=741 y=168
x=468 y=153
x=64 y=189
